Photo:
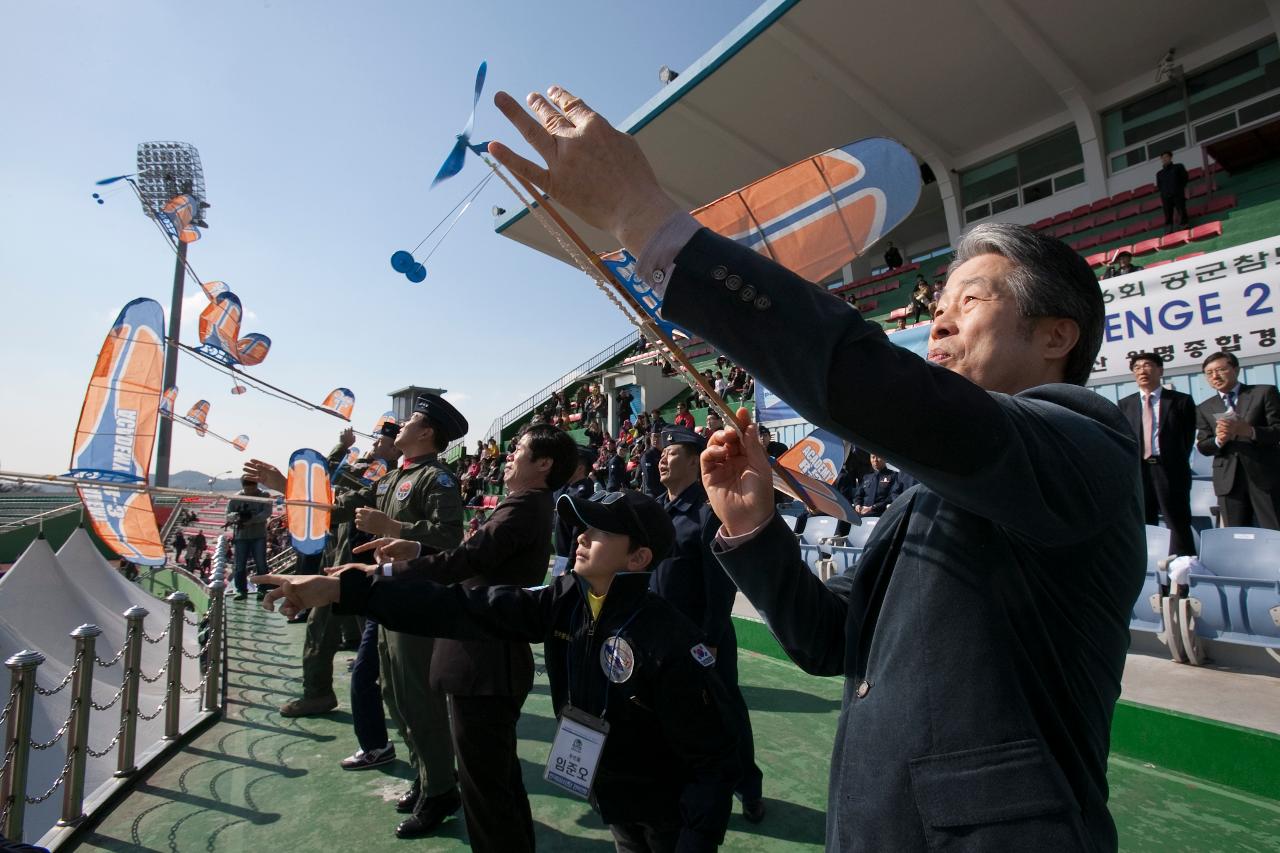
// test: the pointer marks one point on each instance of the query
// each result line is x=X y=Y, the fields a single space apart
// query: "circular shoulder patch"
x=617 y=659
x=444 y=479
x=403 y=490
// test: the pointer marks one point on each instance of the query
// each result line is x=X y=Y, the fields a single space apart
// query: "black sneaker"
x=365 y=759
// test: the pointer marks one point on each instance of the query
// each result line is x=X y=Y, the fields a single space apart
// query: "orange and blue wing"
x=252 y=348
x=240 y=442
x=341 y=401
x=213 y=289
x=219 y=328
x=385 y=418
x=374 y=472
x=815 y=216
x=819 y=455
x=116 y=433
x=169 y=400
x=308 y=480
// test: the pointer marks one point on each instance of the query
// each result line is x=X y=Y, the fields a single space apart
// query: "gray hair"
x=1049 y=279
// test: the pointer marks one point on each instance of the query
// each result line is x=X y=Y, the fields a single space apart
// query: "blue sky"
x=320 y=125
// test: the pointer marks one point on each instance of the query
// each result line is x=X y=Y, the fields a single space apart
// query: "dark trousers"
x=644 y=838
x=1248 y=505
x=245 y=548
x=494 y=800
x=1169 y=493
x=1172 y=203
x=367 y=716
x=750 y=786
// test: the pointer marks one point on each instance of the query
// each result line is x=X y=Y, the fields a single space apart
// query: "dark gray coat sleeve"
x=1050 y=464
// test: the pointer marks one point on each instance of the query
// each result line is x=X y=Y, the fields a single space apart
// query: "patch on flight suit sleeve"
x=703 y=655
x=444 y=479
x=403 y=490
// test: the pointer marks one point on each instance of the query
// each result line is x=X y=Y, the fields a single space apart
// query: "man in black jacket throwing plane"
x=980 y=687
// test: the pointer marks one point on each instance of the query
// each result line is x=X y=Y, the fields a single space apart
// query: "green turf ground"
x=258 y=781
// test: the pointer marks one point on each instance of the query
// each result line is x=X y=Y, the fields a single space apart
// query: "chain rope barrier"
x=154 y=640
x=56 y=690
x=149 y=718
x=109 y=705
x=62 y=777
x=106 y=749
x=154 y=679
x=61 y=732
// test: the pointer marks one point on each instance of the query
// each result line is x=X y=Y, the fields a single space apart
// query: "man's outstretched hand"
x=593 y=169
x=267 y=475
x=738 y=479
x=299 y=592
x=388 y=550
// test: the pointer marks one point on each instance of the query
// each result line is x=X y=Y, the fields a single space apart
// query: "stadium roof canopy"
x=957 y=82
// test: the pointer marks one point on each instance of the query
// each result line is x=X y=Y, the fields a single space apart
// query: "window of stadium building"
x=1192 y=109
x=1032 y=172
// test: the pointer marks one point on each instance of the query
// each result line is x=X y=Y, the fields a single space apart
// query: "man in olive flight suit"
x=324 y=629
x=419 y=501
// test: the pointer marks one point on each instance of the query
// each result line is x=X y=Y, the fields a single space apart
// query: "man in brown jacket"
x=487 y=680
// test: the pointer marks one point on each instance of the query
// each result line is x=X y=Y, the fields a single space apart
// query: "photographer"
x=249 y=521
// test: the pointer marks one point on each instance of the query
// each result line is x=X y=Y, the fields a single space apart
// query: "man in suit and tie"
x=1239 y=426
x=1165 y=422
x=876 y=490
x=979 y=687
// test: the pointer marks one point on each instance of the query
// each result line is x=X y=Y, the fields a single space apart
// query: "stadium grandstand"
x=1052 y=116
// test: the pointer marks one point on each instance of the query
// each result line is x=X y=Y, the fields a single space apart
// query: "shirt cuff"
x=728 y=543
x=658 y=257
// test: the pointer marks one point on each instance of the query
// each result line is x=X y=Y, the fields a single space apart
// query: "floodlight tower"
x=166 y=170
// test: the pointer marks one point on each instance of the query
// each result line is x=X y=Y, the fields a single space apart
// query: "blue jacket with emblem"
x=671 y=757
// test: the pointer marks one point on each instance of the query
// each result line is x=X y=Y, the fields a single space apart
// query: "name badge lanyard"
x=580 y=736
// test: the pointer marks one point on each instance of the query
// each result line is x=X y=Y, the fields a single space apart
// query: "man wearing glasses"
x=1239 y=426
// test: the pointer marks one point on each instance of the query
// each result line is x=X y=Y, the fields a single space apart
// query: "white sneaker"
x=363 y=760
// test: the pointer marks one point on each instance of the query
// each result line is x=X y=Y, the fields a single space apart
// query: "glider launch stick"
x=591 y=264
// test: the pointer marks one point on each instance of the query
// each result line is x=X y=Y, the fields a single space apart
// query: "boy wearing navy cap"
x=646 y=730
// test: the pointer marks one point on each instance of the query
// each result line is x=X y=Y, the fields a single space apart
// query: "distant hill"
x=199 y=481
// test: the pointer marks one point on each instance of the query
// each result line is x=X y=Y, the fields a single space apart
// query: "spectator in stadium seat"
x=1122 y=265
x=960 y=594
x=892 y=257
x=179 y=546
x=683 y=418
x=714 y=422
x=617 y=470
x=875 y=491
x=1239 y=426
x=921 y=300
x=1165 y=422
x=1171 y=181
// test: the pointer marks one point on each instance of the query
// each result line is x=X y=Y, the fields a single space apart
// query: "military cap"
x=629 y=513
x=389 y=428
x=447 y=420
x=683 y=435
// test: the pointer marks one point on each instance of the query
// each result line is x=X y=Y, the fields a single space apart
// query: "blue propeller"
x=453 y=163
x=105 y=181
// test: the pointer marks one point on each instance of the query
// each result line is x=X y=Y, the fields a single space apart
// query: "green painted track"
x=258 y=781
